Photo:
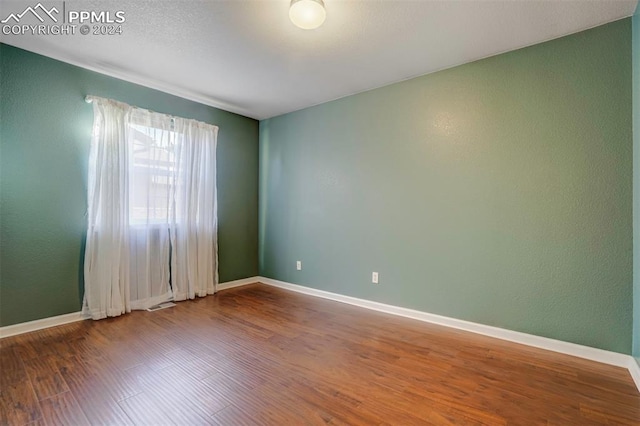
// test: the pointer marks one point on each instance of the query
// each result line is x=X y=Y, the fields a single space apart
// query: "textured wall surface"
x=636 y=183
x=44 y=135
x=497 y=192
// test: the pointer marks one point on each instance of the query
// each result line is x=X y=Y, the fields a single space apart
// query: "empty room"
x=344 y=212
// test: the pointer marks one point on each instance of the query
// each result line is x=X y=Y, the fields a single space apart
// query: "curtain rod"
x=90 y=98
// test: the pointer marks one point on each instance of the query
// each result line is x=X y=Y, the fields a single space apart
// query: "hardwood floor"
x=260 y=355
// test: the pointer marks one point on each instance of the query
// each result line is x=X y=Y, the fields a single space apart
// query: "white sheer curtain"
x=106 y=263
x=151 y=143
x=152 y=227
x=194 y=264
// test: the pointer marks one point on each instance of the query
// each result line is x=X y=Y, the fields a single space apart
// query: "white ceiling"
x=247 y=57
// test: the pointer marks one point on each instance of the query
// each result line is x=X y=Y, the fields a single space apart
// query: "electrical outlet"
x=374 y=277
x=299 y=265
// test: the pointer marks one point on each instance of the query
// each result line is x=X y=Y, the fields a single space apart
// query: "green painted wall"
x=636 y=182
x=497 y=192
x=45 y=128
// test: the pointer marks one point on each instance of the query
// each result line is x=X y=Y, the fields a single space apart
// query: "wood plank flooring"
x=257 y=355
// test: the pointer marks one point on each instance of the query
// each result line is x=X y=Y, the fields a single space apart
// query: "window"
x=151 y=179
x=152 y=210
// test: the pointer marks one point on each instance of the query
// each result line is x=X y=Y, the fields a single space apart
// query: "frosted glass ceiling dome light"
x=307 y=14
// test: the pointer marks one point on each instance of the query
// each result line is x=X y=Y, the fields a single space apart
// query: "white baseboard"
x=237 y=283
x=594 y=354
x=634 y=370
x=26 y=327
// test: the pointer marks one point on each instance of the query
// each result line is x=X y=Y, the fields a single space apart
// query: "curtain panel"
x=152 y=210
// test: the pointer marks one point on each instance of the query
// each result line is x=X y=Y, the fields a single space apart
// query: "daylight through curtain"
x=152 y=219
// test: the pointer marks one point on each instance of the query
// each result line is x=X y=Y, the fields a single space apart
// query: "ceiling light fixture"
x=307 y=14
